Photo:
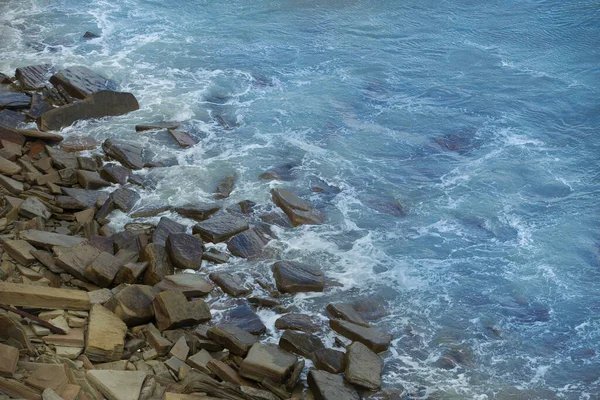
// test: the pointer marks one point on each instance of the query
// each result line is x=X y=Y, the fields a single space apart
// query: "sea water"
x=481 y=118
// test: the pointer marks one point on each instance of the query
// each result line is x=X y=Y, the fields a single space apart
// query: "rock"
x=165 y=227
x=230 y=284
x=326 y=386
x=304 y=344
x=159 y=343
x=100 y=296
x=45 y=136
x=297 y=322
x=79 y=143
x=157 y=125
x=244 y=318
x=183 y=139
x=176 y=366
x=237 y=340
x=197 y=212
x=76 y=260
x=159 y=264
x=124 y=199
x=39 y=105
x=14 y=100
x=11 y=119
x=49 y=239
x=34 y=77
x=294 y=277
x=346 y=312
x=220 y=228
x=225 y=187
x=91 y=180
x=103 y=269
x=49 y=376
x=172 y=310
x=180 y=349
x=80 y=81
x=20 y=250
x=127 y=153
x=363 y=367
x=105 y=335
x=246 y=244
x=130 y=273
x=95 y=105
x=88 y=163
x=282 y=172
x=115 y=173
x=329 y=360
x=33 y=207
x=185 y=251
x=215 y=256
x=49 y=394
x=191 y=285
x=8 y=167
x=11 y=136
x=90 y=35
x=200 y=360
x=11 y=185
x=298 y=211
x=243 y=207
x=133 y=304
x=117 y=385
x=9 y=357
x=87 y=198
x=372 y=338
x=267 y=361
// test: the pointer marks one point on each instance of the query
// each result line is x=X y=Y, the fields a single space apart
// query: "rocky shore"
x=89 y=313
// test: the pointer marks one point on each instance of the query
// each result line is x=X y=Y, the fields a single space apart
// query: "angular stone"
x=246 y=244
x=87 y=163
x=9 y=357
x=124 y=199
x=105 y=335
x=176 y=365
x=39 y=105
x=34 y=77
x=79 y=143
x=172 y=310
x=117 y=385
x=157 y=125
x=363 y=367
x=244 y=318
x=130 y=273
x=11 y=185
x=191 y=285
x=185 y=251
x=229 y=283
x=76 y=260
x=165 y=227
x=297 y=322
x=20 y=250
x=220 y=228
x=267 y=361
x=329 y=360
x=14 y=100
x=304 y=344
x=49 y=376
x=159 y=264
x=80 y=81
x=8 y=135
x=200 y=360
x=237 y=340
x=294 y=277
x=215 y=256
x=9 y=150
x=45 y=136
x=103 y=269
x=326 y=386
x=127 y=153
x=8 y=167
x=100 y=296
x=50 y=239
x=183 y=139
x=180 y=349
x=115 y=173
x=133 y=304
x=159 y=343
x=298 y=211
x=11 y=119
x=346 y=312
x=32 y=207
x=370 y=337
x=197 y=212
x=87 y=198
x=91 y=180
x=95 y=105
x=226 y=373
x=225 y=187
x=62 y=159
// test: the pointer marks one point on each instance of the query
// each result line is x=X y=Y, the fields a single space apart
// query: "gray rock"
x=39 y=105
x=183 y=139
x=62 y=159
x=86 y=198
x=298 y=211
x=11 y=119
x=191 y=285
x=90 y=179
x=172 y=310
x=11 y=185
x=165 y=227
x=297 y=322
x=80 y=81
x=197 y=212
x=90 y=35
x=133 y=304
x=127 y=153
x=103 y=269
x=184 y=250
x=363 y=367
x=225 y=187
x=326 y=386
x=49 y=239
x=346 y=312
x=34 y=77
x=159 y=264
x=220 y=228
x=304 y=344
x=237 y=340
x=87 y=163
x=157 y=125
x=246 y=244
x=230 y=284
x=124 y=199
x=293 y=277
x=244 y=318
x=215 y=256
x=14 y=100
x=32 y=207
x=76 y=260
x=95 y=105
x=115 y=173
x=329 y=360
x=372 y=338
x=267 y=361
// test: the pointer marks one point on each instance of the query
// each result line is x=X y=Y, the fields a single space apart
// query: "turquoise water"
x=480 y=118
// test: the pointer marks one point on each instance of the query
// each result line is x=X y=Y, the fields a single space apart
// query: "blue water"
x=480 y=118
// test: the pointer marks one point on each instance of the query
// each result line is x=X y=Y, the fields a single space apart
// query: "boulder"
x=346 y=312
x=14 y=100
x=105 y=335
x=34 y=77
x=200 y=360
x=297 y=322
x=124 y=199
x=103 y=269
x=215 y=256
x=244 y=318
x=130 y=273
x=12 y=136
x=225 y=187
x=10 y=185
x=229 y=283
x=62 y=159
x=246 y=244
x=304 y=344
x=267 y=361
x=298 y=211
x=326 y=386
x=115 y=173
x=127 y=153
x=363 y=367
x=237 y=340
x=220 y=228
x=117 y=385
x=76 y=260
x=372 y=338
x=165 y=227
x=20 y=250
x=294 y=277
x=159 y=264
x=191 y=285
x=95 y=105
x=197 y=212
x=156 y=340
x=80 y=81
x=329 y=360
x=8 y=167
x=90 y=179
x=157 y=125
x=79 y=143
x=185 y=251
x=183 y=139
x=172 y=310
x=9 y=357
x=87 y=198
x=11 y=119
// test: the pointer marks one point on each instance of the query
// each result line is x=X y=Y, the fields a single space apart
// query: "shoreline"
x=139 y=295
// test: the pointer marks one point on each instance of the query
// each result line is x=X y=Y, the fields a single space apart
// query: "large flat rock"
x=34 y=77
x=105 y=337
x=49 y=239
x=237 y=340
x=127 y=153
x=267 y=361
x=185 y=251
x=363 y=366
x=293 y=277
x=133 y=304
x=220 y=227
x=372 y=338
x=298 y=211
x=304 y=344
x=80 y=81
x=326 y=386
x=243 y=317
x=191 y=285
x=117 y=385
x=13 y=100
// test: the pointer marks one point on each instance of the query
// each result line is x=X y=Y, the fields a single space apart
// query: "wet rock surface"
x=294 y=277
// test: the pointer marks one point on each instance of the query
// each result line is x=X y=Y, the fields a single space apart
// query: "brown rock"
x=133 y=304
x=49 y=376
x=103 y=269
x=105 y=335
x=346 y=312
x=8 y=167
x=363 y=367
x=159 y=343
x=79 y=81
x=329 y=360
x=226 y=373
x=220 y=228
x=91 y=180
x=79 y=143
x=267 y=361
x=233 y=338
x=326 y=386
x=297 y=322
x=76 y=260
x=180 y=349
x=130 y=273
x=9 y=357
x=372 y=338
x=34 y=77
x=185 y=251
x=172 y=310
x=127 y=153
x=159 y=264
x=200 y=360
x=229 y=283
x=304 y=344
x=298 y=211
x=20 y=250
x=247 y=244
x=293 y=277
x=183 y=139
x=191 y=285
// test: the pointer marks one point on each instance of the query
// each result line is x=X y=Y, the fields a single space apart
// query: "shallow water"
x=480 y=118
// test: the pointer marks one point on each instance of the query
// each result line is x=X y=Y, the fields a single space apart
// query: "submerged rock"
x=298 y=211
x=157 y=125
x=90 y=35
